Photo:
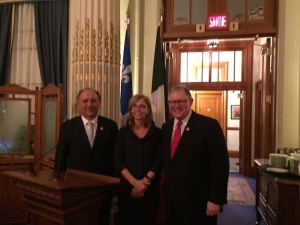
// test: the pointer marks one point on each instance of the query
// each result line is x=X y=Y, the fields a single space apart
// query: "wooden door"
x=211 y=104
x=266 y=110
x=242 y=134
x=258 y=119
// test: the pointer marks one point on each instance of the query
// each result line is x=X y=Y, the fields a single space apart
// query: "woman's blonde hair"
x=134 y=99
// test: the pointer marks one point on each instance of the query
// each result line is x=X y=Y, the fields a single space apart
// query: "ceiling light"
x=213 y=43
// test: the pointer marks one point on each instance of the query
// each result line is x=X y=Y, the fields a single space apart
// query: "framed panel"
x=51 y=108
x=49 y=125
x=235 y=112
x=15 y=128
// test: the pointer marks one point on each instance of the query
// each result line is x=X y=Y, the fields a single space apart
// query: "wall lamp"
x=213 y=43
x=264 y=49
x=179 y=42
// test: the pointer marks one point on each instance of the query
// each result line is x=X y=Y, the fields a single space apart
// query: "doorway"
x=211 y=104
x=224 y=106
x=219 y=80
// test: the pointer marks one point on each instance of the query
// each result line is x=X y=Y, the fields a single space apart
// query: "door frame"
x=244 y=45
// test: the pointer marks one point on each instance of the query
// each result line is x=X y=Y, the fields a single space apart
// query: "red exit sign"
x=217 y=21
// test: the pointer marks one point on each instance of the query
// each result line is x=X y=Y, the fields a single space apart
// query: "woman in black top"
x=138 y=162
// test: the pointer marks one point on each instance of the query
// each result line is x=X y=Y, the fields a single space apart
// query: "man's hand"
x=212 y=209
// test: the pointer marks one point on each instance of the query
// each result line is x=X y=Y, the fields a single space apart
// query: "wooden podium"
x=72 y=200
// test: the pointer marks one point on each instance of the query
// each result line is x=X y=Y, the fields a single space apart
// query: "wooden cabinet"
x=254 y=17
x=277 y=197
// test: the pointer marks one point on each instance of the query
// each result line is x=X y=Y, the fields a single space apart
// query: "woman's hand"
x=139 y=189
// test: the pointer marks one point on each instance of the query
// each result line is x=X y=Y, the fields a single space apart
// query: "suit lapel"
x=99 y=131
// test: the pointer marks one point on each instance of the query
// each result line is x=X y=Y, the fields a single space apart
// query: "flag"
x=159 y=106
x=126 y=81
x=159 y=85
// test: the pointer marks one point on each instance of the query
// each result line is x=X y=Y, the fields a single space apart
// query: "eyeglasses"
x=179 y=102
x=140 y=107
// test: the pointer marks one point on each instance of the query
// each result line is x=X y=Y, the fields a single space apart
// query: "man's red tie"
x=176 y=138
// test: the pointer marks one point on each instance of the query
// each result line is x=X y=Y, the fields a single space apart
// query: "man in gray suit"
x=94 y=154
x=196 y=174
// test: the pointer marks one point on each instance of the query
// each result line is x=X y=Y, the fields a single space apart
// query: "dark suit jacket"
x=74 y=150
x=199 y=169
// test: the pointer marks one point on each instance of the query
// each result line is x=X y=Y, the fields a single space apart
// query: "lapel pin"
x=187 y=129
x=101 y=128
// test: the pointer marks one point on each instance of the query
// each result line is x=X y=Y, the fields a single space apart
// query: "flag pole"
x=159 y=84
x=126 y=81
x=162 y=14
x=128 y=20
x=161 y=215
x=162 y=11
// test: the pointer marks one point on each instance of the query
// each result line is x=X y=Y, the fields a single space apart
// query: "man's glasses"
x=179 y=102
x=140 y=107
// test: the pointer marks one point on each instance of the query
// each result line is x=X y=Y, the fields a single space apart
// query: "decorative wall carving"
x=95 y=54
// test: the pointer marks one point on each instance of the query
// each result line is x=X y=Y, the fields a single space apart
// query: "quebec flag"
x=126 y=81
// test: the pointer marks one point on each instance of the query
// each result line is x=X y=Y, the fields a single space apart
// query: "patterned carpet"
x=239 y=192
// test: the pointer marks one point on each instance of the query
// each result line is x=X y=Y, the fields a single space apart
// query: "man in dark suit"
x=196 y=176
x=94 y=154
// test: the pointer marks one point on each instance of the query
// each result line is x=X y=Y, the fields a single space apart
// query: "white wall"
x=288 y=82
x=144 y=20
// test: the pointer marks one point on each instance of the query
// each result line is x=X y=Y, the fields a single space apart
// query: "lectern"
x=72 y=200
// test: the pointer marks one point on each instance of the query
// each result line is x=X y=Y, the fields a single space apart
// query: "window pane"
x=227 y=59
x=236 y=10
x=226 y=66
x=183 y=68
x=238 y=66
x=181 y=12
x=199 y=11
x=205 y=67
x=255 y=9
x=215 y=67
x=194 y=66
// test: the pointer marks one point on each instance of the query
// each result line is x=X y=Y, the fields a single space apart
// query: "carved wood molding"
x=39 y=190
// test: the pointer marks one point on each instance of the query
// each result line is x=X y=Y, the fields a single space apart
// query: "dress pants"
x=104 y=211
x=173 y=219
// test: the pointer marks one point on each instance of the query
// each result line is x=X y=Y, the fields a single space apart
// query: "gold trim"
x=128 y=15
x=162 y=13
x=16 y=1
